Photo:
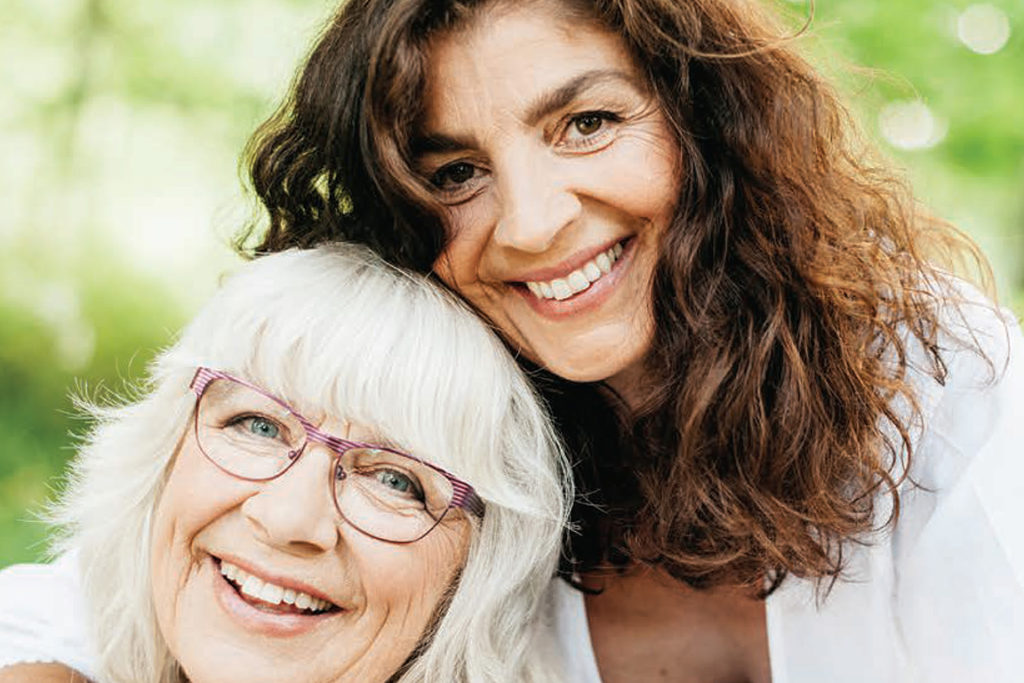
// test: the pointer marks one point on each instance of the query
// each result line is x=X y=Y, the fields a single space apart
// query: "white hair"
x=341 y=330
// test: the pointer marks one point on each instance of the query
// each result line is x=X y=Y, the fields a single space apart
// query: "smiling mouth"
x=269 y=597
x=580 y=279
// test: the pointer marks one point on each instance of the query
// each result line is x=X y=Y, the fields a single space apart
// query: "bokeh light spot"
x=911 y=125
x=984 y=29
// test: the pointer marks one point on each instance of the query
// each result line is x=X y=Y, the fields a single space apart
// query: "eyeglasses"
x=384 y=493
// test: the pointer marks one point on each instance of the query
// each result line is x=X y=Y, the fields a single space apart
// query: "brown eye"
x=454 y=174
x=588 y=124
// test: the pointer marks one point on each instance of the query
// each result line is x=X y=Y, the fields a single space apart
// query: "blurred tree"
x=122 y=120
x=121 y=126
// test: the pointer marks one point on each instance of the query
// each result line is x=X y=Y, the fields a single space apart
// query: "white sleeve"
x=42 y=618
x=959 y=549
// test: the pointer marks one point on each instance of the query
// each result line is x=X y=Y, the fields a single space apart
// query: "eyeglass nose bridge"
x=462 y=495
x=335 y=444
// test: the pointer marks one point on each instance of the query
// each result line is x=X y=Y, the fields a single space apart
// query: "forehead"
x=508 y=57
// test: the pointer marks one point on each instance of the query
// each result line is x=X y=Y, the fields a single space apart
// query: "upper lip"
x=277 y=579
x=567 y=265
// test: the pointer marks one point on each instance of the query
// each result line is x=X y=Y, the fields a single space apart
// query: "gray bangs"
x=337 y=333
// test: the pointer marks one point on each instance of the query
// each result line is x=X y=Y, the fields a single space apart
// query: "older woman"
x=336 y=474
x=797 y=436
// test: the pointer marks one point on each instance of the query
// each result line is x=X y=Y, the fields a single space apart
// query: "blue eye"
x=261 y=426
x=397 y=481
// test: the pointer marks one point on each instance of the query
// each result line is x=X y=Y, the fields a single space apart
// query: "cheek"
x=170 y=560
x=406 y=585
x=193 y=499
x=646 y=173
x=469 y=227
x=411 y=580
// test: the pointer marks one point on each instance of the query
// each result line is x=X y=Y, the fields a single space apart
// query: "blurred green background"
x=121 y=122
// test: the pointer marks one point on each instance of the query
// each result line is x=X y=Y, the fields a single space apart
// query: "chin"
x=621 y=371
x=604 y=369
x=236 y=668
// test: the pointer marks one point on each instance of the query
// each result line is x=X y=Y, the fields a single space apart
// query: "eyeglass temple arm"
x=463 y=496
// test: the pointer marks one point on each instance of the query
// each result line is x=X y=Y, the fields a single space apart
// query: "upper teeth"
x=269 y=592
x=579 y=279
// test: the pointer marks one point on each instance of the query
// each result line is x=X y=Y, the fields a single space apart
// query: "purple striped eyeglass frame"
x=463 y=494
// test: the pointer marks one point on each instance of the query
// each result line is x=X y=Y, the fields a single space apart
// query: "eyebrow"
x=562 y=96
x=439 y=143
x=544 y=105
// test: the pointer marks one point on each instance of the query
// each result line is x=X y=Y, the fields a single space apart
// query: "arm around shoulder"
x=40 y=673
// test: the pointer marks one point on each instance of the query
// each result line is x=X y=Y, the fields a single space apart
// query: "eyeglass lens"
x=382 y=493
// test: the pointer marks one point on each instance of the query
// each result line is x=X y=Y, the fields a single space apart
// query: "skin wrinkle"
x=255 y=520
x=192 y=567
x=518 y=161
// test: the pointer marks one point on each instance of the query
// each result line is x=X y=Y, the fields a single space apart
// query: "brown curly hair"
x=795 y=278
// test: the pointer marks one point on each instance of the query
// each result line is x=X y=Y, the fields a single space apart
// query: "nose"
x=295 y=511
x=537 y=202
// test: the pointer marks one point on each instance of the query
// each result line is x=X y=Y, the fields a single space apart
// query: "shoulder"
x=958 y=547
x=564 y=636
x=973 y=415
x=42 y=618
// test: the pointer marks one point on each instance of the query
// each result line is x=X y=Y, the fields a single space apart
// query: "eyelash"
x=594 y=140
x=462 y=193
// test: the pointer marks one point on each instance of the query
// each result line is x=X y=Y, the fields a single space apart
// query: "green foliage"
x=121 y=126
x=910 y=51
x=94 y=331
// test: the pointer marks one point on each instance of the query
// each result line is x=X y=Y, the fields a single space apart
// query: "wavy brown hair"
x=794 y=282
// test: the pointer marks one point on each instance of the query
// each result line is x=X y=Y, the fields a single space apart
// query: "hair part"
x=335 y=330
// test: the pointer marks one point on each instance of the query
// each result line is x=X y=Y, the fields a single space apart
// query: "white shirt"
x=940 y=598
x=42 y=618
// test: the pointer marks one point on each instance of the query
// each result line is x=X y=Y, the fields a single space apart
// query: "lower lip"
x=590 y=298
x=256 y=620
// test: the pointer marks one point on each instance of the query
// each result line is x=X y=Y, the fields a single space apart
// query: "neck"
x=645 y=621
x=628 y=385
